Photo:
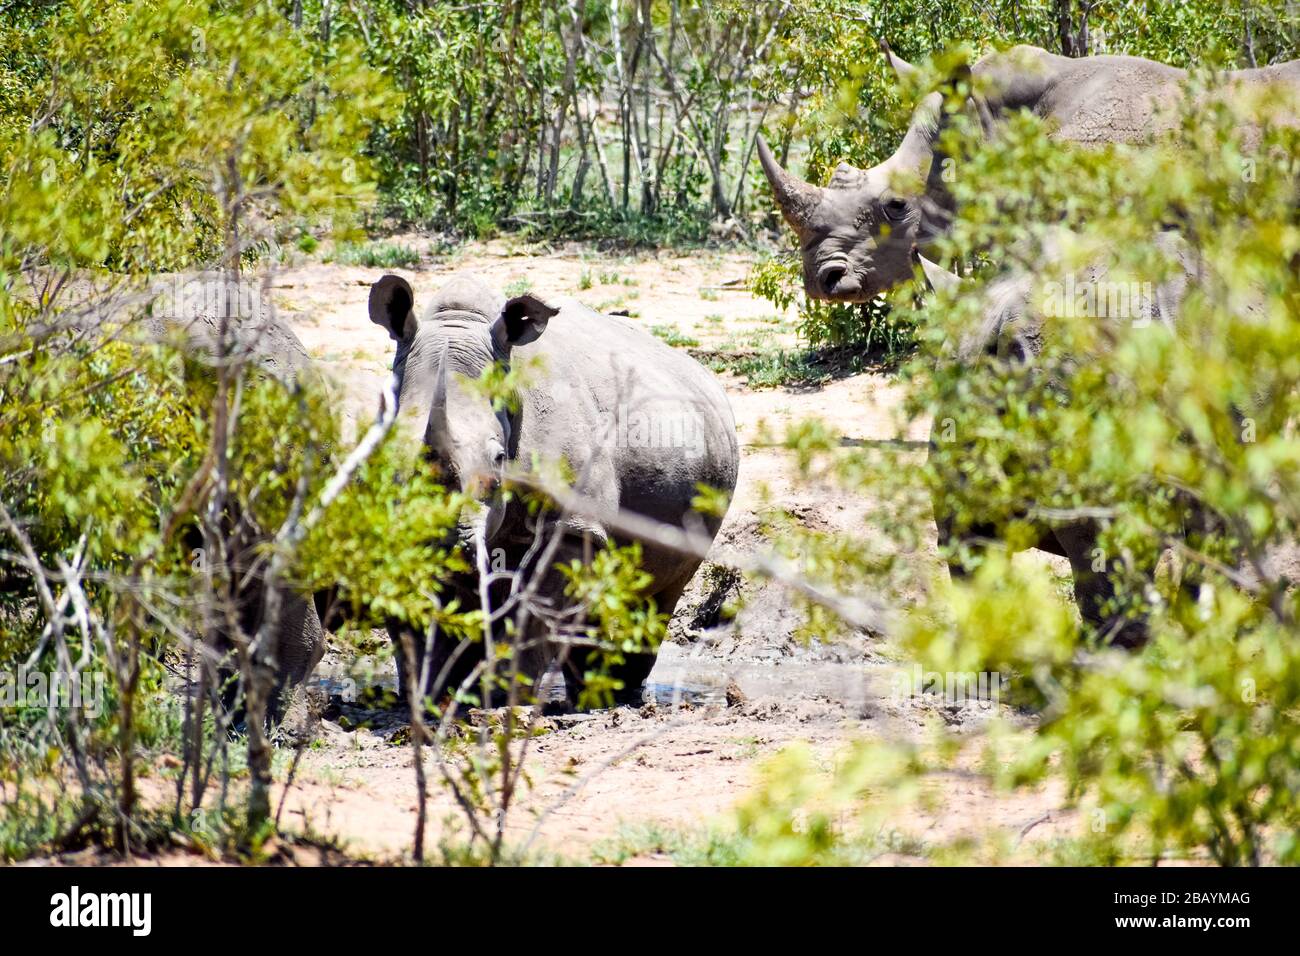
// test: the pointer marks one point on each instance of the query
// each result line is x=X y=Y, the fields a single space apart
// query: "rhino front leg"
x=558 y=667
x=299 y=647
x=950 y=543
x=302 y=640
x=973 y=539
x=636 y=668
x=954 y=541
x=450 y=664
x=1094 y=591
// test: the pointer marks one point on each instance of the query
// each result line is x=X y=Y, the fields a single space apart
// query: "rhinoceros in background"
x=858 y=232
x=1012 y=330
x=638 y=424
x=273 y=351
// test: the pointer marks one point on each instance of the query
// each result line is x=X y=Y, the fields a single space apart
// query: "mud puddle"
x=683 y=675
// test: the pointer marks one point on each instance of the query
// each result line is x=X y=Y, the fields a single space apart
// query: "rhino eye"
x=896 y=209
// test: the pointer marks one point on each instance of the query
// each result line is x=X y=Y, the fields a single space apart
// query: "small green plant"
x=377 y=255
x=871 y=326
x=713 y=846
x=777 y=368
x=674 y=336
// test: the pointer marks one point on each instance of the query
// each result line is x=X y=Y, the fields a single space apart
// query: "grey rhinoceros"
x=271 y=351
x=638 y=425
x=858 y=232
x=1018 y=310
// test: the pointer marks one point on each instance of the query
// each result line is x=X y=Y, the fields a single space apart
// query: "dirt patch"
x=595 y=775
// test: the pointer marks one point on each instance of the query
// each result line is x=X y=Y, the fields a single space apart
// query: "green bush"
x=377 y=255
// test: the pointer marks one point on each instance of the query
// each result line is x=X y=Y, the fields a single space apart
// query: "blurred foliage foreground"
x=177 y=135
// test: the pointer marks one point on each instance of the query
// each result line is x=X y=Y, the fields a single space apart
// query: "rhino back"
x=1097 y=100
x=273 y=348
x=653 y=420
x=1115 y=103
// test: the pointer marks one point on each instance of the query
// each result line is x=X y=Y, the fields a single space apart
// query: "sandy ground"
x=593 y=776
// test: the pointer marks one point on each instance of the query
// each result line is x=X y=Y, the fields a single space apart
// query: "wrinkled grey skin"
x=857 y=233
x=274 y=351
x=1012 y=330
x=590 y=370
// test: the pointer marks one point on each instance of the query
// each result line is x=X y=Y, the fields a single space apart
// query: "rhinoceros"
x=857 y=233
x=272 y=351
x=638 y=425
x=1017 y=316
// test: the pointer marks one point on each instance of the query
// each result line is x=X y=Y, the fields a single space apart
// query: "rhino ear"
x=392 y=305
x=523 y=319
x=901 y=67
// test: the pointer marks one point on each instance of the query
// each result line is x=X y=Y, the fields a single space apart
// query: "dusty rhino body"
x=1017 y=320
x=858 y=232
x=272 y=351
x=638 y=425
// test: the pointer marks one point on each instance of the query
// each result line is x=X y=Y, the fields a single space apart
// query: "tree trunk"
x=567 y=95
x=647 y=42
x=1073 y=42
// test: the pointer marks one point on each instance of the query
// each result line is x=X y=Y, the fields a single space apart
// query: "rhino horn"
x=900 y=66
x=438 y=412
x=938 y=277
x=798 y=200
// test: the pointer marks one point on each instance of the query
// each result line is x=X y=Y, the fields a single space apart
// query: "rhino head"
x=467 y=328
x=857 y=234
